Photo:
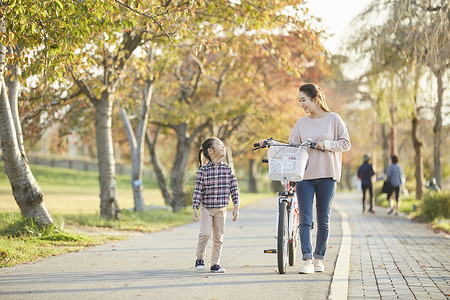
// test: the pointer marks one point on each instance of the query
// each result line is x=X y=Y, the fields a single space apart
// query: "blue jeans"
x=324 y=189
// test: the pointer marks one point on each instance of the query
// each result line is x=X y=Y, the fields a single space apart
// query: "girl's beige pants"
x=212 y=221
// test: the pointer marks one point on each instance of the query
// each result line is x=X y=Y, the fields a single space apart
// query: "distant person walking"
x=395 y=177
x=215 y=182
x=365 y=174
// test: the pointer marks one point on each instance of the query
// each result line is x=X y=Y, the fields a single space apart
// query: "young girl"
x=215 y=183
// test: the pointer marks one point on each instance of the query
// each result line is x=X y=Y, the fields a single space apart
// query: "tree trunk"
x=179 y=166
x=251 y=176
x=158 y=168
x=438 y=127
x=109 y=208
x=136 y=163
x=385 y=137
x=184 y=141
x=229 y=157
x=137 y=147
x=374 y=141
x=418 y=157
x=347 y=179
x=393 y=135
x=26 y=191
x=417 y=143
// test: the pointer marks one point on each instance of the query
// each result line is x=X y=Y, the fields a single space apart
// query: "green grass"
x=72 y=198
x=408 y=204
x=432 y=209
x=21 y=240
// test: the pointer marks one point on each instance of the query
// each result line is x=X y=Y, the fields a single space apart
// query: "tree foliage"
x=410 y=36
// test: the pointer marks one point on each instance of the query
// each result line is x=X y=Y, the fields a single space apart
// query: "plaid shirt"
x=214 y=186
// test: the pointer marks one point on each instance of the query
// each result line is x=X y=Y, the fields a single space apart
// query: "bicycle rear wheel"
x=283 y=237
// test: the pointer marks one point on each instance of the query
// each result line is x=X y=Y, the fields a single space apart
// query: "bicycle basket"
x=287 y=163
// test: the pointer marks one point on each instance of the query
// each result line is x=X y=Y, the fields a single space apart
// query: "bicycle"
x=287 y=163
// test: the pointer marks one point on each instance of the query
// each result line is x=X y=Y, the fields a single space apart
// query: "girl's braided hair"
x=205 y=146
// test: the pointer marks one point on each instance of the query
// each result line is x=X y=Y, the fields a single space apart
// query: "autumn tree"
x=223 y=85
x=418 y=32
x=110 y=54
x=38 y=38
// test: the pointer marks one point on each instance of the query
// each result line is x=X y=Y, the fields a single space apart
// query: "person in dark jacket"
x=365 y=174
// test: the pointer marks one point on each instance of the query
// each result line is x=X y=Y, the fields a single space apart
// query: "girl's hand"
x=195 y=215
x=235 y=213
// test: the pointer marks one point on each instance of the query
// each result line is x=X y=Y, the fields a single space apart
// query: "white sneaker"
x=200 y=264
x=217 y=269
x=318 y=265
x=306 y=267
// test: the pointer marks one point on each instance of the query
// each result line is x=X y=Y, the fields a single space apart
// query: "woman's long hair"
x=316 y=94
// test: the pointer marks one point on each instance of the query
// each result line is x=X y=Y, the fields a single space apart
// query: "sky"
x=336 y=17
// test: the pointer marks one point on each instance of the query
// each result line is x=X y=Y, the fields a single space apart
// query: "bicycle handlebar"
x=271 y=142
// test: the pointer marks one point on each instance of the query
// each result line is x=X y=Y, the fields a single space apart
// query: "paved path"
x=395 y=258
x=391 y=257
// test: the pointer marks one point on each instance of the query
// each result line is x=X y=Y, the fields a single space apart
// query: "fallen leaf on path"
x=207 y=276
x=140 y=295
x=246 y=266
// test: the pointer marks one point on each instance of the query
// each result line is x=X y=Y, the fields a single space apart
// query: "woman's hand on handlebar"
x=321 y=145
x=261 y=144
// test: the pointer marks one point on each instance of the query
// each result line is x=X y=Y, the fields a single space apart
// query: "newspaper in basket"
x=287 y=163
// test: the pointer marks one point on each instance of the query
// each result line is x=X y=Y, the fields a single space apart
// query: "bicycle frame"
x=290 y=197
x=288 y=217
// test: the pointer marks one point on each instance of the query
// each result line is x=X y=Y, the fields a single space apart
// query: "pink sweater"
x=332 y=130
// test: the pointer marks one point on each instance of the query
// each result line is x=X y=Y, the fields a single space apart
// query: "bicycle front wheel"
x=283 y=237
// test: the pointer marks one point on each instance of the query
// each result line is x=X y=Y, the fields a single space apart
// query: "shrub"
x=436 y=205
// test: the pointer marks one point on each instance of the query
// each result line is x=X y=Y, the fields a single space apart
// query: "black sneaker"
x=199 y=264
x=217 y=269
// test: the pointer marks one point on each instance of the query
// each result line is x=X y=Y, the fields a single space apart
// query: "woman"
x=394 y=175
x=330 y=133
